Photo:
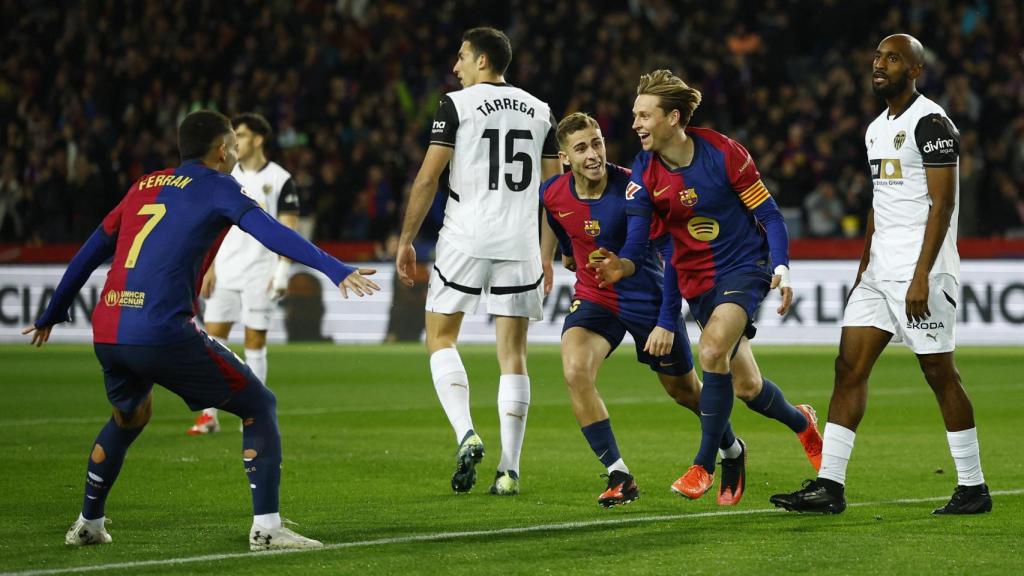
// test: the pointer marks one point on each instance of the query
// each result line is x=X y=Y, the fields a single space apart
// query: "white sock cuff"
x=255 y=353
x=444 y=362
x=619 y=465
x=514 y=388
x=268 y=521
x=962 y=438
x=843 y=437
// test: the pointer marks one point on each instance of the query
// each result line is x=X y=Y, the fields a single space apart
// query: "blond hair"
x=574 y=123
x=672 y=93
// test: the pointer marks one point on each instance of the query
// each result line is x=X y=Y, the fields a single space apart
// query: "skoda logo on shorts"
x=703 y=229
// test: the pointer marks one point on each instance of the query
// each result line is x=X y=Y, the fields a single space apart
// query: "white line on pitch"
x=559 y=527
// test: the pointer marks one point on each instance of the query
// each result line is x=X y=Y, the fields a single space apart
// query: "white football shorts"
x=882 y=304
x=252 y=305
x=457 y=281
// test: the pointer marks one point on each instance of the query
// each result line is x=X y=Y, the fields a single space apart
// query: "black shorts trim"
x=499 y=290
x=459 y=287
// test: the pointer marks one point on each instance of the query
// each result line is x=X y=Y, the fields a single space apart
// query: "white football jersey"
x=499 y=134
x=241 y=258
x=899 y=149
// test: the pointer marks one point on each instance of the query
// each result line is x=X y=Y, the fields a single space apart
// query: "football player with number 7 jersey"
x=162 y=236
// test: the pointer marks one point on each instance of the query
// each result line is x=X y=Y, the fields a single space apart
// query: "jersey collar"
x=913 y=98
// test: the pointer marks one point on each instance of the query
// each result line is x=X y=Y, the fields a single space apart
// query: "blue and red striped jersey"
x=165 y=232
x=708 y=208
x=601 y=223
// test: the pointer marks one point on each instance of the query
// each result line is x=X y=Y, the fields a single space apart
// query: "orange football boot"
x=694 y=483
x=811 y=438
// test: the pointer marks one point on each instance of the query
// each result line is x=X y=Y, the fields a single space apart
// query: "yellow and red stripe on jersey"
x=755 y=195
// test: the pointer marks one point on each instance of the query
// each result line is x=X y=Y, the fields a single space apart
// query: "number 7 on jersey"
x=155 y=212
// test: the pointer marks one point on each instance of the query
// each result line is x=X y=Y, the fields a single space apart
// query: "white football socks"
x=267 y=521
x=731 y=452
x=513 y=406
x=837 y=445
x=963 y=445
x=257 y=362
x=619 y=465
x=452 y=385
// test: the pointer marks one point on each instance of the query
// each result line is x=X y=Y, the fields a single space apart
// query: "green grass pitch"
x=368 y=456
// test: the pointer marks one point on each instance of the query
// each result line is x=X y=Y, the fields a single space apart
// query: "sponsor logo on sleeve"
x=438 y=127
x=632 y=189
x=938 y=145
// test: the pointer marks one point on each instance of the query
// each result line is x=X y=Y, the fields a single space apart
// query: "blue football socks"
x=602 y=441
x=104 y=465
x=773 y=404
x=716 y=401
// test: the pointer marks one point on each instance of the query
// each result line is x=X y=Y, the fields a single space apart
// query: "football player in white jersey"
x=499 y=143
x=906 y=287
x=245 y=278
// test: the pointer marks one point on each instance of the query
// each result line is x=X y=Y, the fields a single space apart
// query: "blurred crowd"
x=91 y=93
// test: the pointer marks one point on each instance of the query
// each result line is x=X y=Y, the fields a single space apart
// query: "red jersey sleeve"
x=744 y=178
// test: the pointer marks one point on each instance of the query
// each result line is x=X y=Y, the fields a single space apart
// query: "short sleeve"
x=232 y=201
x=112 y=221
x=550 y=149
x=743 y=176
x=288 y=199
x=938 y=140
x=446 y=123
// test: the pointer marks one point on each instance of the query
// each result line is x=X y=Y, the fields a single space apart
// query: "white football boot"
x=85 y=533
x=281 y=538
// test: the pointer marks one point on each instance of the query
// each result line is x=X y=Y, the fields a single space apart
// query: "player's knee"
x=685 y=391
x=714 y=356
x=746 y=386
x=938 y=372
x=136 y=418
x=577 y=376
x=847 y=372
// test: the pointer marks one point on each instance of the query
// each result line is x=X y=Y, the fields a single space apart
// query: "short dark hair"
x=254 y=122
x=492 y=43
x=199 y=130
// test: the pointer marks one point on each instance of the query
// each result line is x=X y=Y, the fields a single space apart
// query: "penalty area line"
x=438 y=536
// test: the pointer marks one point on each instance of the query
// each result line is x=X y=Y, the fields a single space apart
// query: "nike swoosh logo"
x=666 y=363
x=706 y=414
x=727 y=292
x=564 y=214
x=514 y=415
x=459 y=385
x=658 y=192
x=602 y=454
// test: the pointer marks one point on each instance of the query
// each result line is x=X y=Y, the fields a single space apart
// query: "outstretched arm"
x=96 y=250
x=286 y=242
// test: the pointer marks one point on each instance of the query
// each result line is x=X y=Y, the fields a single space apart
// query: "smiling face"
x=583 y=151
x=894 y=68
x=652 y=124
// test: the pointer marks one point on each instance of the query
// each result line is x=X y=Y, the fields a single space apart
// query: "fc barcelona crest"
x=592 y=227
x=688 y=197
x=899 y=139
